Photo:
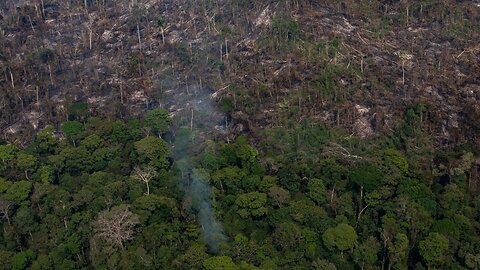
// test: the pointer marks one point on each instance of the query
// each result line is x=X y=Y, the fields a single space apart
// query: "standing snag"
x=5 y=207
x=145 y=175
x=116 y=226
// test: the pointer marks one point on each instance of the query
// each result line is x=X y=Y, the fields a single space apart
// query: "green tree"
x=46 y=174
x=251 y=205
x=398 y=251
x=367 y=177
x=242 y=155
x=92 y=142
x=320 y=264
x=316 y=191
x=6 y=258
x=194 y=257
x=76 y=159
x=419 y=193
x=22 y=259
x=45 y=142
x=43 y=262
x=120 y=132
x=8 y=152
x=155 y=208
x=219 y=263
x=285 y=28
x=394 y=165
x=288 y=236
x=230 y=179
x=453 y=199
x=153 y=151
x=78 y=111
x=73 y=130
x=446 y=227
x=433 y=249
x=101 y=127
x=24 y=220
x=157 y=121
x=342 y=237
x=135 y=129
x=418 y=218
x=19 y=192
x=57 y=162
x=4 y=185
x=365 y=254
x=26 y=162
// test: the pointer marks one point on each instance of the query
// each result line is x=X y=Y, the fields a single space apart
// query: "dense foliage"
x=348 y=136
x=107 y=195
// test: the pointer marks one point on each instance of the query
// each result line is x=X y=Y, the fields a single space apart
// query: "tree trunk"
x=163 y=34
x=139 y=38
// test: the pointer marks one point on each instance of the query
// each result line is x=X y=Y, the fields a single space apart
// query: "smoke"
x=212 y=231
x=197 y=120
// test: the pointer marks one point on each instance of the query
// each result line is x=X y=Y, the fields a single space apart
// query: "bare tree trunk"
x=38 y=100
x=90 y=39
x=139 y=38
x=226 y=49
x=121 y=93
x=163 y=34
x=221 y=52
x=50 y=70
x=31 y=23
x=43 y=8
x=5 y=210
x=191 y=121
x=226 y=129
x=11 y=78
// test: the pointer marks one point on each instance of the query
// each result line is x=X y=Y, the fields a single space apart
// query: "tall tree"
x=317 y=191
x=116 y=226
x=7 y=153
x=153 y=152
x=26 y=162
x=5 y=208
x=278 y=195
x=157 y=121
x=145 y=175
x=251 y=204
x=433 y=248
x=73 y=130
x=342 y=237
x=220 y=263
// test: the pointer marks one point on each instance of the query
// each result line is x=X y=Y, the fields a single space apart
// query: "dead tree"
x=116 y=226
x=145 y=175
x=279 y=195
x=5 y=207
x=335 y=149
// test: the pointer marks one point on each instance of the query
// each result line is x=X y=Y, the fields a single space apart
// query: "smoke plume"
x=197 y=120
x=201 y=202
